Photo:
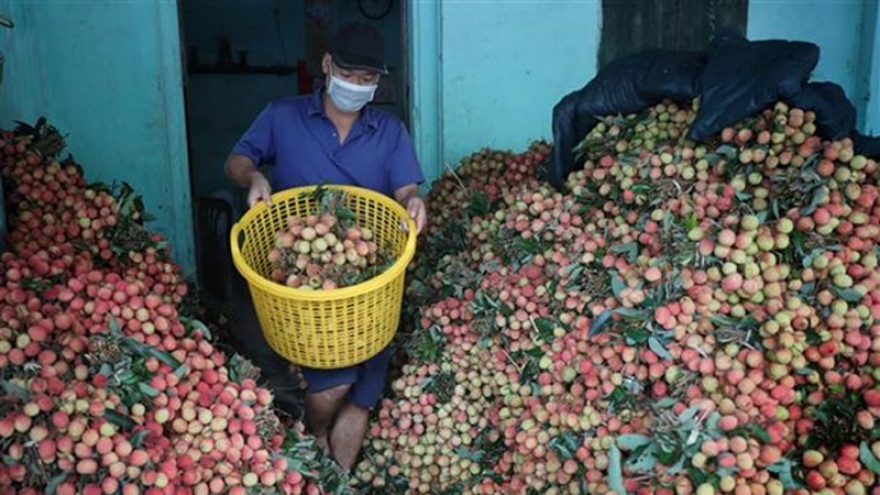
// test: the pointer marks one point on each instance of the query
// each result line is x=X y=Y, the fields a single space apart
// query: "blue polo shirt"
x=296 y=136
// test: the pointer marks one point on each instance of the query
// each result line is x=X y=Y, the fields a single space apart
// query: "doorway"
x=239 y=56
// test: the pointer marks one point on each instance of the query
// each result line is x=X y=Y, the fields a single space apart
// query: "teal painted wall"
x=107 y=73
x=835 y=25
x=502 y=65
x=869 y=71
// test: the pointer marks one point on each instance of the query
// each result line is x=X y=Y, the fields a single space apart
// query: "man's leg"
x=348 y=434
x=321 y=412
x=325 y=395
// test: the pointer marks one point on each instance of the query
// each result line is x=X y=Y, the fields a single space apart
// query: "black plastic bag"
x=744 y=77
x=868 y=146
x=624 y=86
x=835 y=115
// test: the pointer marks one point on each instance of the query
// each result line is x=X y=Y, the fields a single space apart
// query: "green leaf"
x=712 y=425
x=53 y=483
x=181 y=371
x=691 y=221
x=783 y=469
x=345 y=214
x=755 y=430
x=566 y=444
x=659 y=349
x=867 y=457
x=723 y=321
x=115 y=329
x=615 y=471
x=193 y=324
x=479 y=205
x=530 y=246
x=164 y=357
x=665 y=403
x=535 y=352
x=813 y=337
x=545 y=327
x=668 y=219
x=15 y=390
x=120 y=420
x=561 y=449
x=762 y=216
x=722 y=472
x=297 y=465
x=617 y=284
x=688 y=414
x=6 y=22
x=818 y=195
x=676 y=468
x=505 y=310
x=698 y=477
x=632 y=441
x=636 y=336
x=631 y=313
x=808 y=288
x=728 y=151
x=643 y=461
x=137 y=440
x=775 y=206
x=147 y=390
x=848 y=294
x=630 y=249
x=599 y=322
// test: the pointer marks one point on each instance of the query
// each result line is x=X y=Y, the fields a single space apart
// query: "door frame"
x=424 y=88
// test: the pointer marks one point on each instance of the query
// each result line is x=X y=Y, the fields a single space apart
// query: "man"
x=332 y=136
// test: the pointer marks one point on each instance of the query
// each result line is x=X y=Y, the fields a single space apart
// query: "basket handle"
x=234 y=240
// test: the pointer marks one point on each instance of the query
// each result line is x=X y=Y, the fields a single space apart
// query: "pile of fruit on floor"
x=682 y=318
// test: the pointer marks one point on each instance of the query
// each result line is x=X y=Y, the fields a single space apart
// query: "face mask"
x=349 y=97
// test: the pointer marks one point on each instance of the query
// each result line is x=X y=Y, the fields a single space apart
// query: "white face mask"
x=349 y=97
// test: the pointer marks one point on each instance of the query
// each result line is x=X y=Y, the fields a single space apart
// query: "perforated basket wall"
x=325 y=329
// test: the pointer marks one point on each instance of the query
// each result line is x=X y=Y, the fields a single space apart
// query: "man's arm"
x=409 y=197
x=240 y=169
x=243 y=171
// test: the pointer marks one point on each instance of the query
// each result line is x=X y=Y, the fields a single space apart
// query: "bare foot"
x=324 y=444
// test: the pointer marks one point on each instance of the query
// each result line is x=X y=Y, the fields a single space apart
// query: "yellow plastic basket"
x=333 y=328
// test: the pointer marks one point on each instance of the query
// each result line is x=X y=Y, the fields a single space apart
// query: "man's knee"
x=331 y=395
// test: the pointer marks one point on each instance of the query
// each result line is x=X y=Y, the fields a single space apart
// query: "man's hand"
x=415 y=206
x=408 y=196
x=260 y=190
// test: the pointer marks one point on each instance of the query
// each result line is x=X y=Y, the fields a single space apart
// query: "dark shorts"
x=367 y=379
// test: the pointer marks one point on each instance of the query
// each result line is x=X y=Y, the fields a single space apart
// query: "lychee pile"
x=324 y=253
x=105 y=388
x=682 y=318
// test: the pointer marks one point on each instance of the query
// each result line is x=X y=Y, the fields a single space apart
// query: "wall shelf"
x=278 y=70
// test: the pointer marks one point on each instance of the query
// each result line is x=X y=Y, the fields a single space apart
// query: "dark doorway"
x=238 y=57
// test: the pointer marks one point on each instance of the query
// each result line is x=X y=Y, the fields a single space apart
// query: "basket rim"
x=383 y=279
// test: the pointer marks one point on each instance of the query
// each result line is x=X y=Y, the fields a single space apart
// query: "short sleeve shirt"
x=296 y=136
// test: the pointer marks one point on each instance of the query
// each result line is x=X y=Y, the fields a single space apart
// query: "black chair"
x=213 y=224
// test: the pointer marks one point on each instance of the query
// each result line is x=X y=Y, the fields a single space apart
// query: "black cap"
x=359 y=45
